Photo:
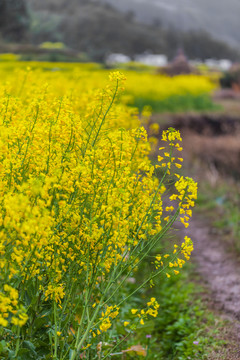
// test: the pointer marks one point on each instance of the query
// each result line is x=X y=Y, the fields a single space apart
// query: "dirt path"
x=219 y=270
x=220 y=275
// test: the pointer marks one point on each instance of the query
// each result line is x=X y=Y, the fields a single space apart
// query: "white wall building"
x=223 y=64
x=152 y=59
x=116 y=58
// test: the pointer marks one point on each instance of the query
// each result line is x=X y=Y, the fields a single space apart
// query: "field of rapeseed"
x=81 y=208
x=162 y=93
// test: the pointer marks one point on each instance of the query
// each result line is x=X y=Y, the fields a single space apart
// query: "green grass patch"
x=222 y=203
x=178 y=103
x=185 y=328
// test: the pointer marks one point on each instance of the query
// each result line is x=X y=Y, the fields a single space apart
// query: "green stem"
x=105 y=115
x=18 y=342
x=55 y=331
x=79 y=342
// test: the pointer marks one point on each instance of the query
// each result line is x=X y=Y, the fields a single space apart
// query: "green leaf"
x=29 y=345
x=22 y=351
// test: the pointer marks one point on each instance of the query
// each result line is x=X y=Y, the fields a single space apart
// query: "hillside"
x=97 y=29
x=219 y=17
x=91 y=28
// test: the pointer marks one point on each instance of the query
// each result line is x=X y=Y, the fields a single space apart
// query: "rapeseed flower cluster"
x=10 y=309
x=80 y=208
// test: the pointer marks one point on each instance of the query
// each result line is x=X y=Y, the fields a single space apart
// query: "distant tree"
x=201 y=45
x=130 y=15
x=157 y=23
x=97 y=29
x=14 y=20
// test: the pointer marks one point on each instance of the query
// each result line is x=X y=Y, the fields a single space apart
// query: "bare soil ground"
x=210 y=138
x=210 y=141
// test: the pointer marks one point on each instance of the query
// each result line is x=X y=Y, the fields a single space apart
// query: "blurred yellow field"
x=74 y=79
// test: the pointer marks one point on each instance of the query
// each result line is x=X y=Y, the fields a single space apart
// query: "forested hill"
x=218 y=17
x=97 y=29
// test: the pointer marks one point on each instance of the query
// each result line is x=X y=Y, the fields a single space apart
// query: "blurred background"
x=93 y=30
